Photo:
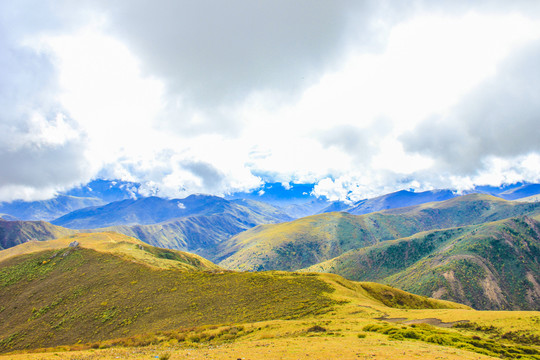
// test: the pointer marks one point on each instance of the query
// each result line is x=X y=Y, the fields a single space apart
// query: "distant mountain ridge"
x=397 y=199
x=520 y=192
x=194 y=224
x=310 y=240
x=201 y=232
x=13 y=233
x=154 y=210
x=296 y=200
x=95 y=193
x=46 y=210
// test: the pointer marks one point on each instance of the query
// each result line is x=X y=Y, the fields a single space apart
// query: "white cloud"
x=361 y=98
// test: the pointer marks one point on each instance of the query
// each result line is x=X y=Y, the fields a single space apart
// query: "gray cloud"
x=217 y=51
x=347 y=137
x=28 y=99
x=361 y=144
x=211 y=177
x=43 y=166
x=212 y=54
x=499 y=118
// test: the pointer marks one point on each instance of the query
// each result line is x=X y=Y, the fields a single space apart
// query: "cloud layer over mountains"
x=360 y=97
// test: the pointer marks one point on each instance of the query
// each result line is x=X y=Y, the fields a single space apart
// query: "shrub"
x=316 y=328
x=410 y=334
x=437 y=339
x=373 y=327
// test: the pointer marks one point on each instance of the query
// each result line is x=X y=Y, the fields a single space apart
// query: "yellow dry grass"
x=291 y=339
x=344 y=347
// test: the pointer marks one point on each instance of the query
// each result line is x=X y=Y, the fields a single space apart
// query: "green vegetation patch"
x=28 y=270
x=430 y=334
x=172 y=255
x=400 y=299
x=518 y=336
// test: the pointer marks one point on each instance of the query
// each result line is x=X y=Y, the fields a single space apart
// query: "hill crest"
x=119 y=245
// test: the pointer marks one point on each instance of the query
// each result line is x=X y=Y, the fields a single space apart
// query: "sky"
x=360 y=98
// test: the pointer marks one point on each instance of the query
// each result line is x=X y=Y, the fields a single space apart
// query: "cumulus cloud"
x=217 y=51
x=498 y=119
x=212 y=178
x=212 y=55
x=360 y=143
x=212 y=96
x=41 y=149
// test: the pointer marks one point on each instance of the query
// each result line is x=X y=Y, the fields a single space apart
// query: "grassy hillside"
x=111 y=286
x=17 y=232
x=494 y=267
x=314 y=239
x=355 y=320
x=293 y=245
x=120 y=245
x=77 y=294
x=489 y=266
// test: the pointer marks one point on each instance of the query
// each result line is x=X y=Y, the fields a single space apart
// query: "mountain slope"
x=126 y=247
x=17 y=232
x=521 y=192
x=397 y=199
x=199 y=234
x=308 y=241
x=489 y=266
x=497 y=267
x=47 y=209
x=104 y=288
x=154 y=210
x=150 y=210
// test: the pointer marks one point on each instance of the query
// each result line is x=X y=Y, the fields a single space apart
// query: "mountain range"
x=475 y=249
x=247 y=235
x=296 y=200
x=46 y=210
x=17 y=232
x=494 y=265
x=195 y=223
x=95 y=289
x=310 y=240
x=154 y=210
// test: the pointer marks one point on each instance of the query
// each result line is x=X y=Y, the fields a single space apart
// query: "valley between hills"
x=207 y=277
